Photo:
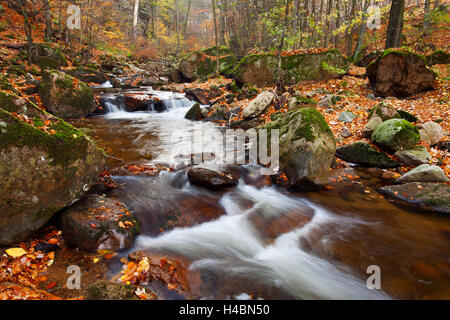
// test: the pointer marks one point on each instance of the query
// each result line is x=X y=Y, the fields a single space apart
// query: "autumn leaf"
x=16 y=252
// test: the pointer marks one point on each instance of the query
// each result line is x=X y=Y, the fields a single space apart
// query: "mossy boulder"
x=98 y=223
x=65 y=96
x=105 y=290
x=427 y=196
x=396 y=134
x=202 y=64
x=298 y=102
x=45 y=56
x=364 y=154
x=307 y=148
x=194 y=113
x=45 y=165
x=384 y=112
x=261 y=69
x=414 y=156
x=400 y=74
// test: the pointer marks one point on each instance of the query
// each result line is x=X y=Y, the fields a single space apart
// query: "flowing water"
x=261 y=240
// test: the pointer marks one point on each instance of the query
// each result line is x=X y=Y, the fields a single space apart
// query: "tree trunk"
x=350 y=28
x=187 y=19
x=48 y=21
x=328 y=30
x=362 y=33
x=338 y=23
x=280 y=48
x=177 y=27
x=216 y=32
x=426 y=18
x=395 y=26
x=135 y=19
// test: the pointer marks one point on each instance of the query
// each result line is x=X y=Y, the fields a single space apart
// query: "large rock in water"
x=211 y=179
x=257 y=106
x=396 y=134
x=429 y=196
x=366 y=155
x=65 y=96
x=307 y=149
x=96 y=223
x=399 y=74
x=261 y=69
x=201 y=64
x=424 y=173
x=45 y=166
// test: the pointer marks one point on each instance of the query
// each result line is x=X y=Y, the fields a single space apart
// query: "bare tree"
x=135 y=19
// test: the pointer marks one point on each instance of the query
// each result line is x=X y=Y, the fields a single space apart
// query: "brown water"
x=267 y=242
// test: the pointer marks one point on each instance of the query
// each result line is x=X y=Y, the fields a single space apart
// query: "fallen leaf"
x=16 y=252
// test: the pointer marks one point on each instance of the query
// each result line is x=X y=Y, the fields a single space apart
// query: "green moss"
x=332 y=69
x=407 y=116
x=396 y=134
x=384 y=112
x=64 y=147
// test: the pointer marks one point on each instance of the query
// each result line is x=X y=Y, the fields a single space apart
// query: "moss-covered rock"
x=45 y=165
x=396 y=134
x=364 y=154
x=115 y=226
x=414 y=156
x=202 y=64
x=104 y=290
x=45 y=56
x=428 y=196
x=301 y=102
x=424 y=173
x=384 y=112
x=194 y=113
x=261 y=69
x=65 y=96
x=307 y=148
x=399 y=73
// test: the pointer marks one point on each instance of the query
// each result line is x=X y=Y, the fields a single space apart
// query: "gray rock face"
x=98 y=223
x=414 y=156
x=307 y=148
x=347 y=116
x=194 y=113
x=424 y=173
x=384 y=112
x=431 y=133
x=429 y=196
x=259 y=105
x=370 y=126
x=40 y=172
x=366 y=155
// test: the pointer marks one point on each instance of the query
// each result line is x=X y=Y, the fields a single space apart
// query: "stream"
x=260 y=240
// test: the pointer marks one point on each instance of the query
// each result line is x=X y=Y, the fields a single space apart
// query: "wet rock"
x=105 y=290
x=46 y=247
x=194 y=113
x=364 y=154
x=370 y=126
x=431 y=133
x=97 y=222
x=40 y=173
x=66 y=97
x=414 y=156
x=139 y=102
x=399 y=74
x=430 y=196
x=396 y=134
x=259 y=105
x=307 y=149
x=347 y=116
x=211 y=179
x=217 y=113
x=424 y=173
x=203 y=96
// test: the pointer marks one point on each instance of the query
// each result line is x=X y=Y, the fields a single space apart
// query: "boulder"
x=424 y=173
x=203 y=96
x=46 y=56
x=369 y=58
x=88 y=75
x=298 y=102
x=384 y=112
x=217 y=113
x=65 y=96
x=259 y=105
x=429 y=196
x=261 y=69
x=45 y=166
x=98 y=223
x=370 y=126
x=431 y=133
x=105 y=290
x=194 y=113
x=307 y=148
x=414 y=156
x=400 y=74
x=407 y=116
x=211 y=179
x=201 y=64
x=396 y=134
x=364 y=154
